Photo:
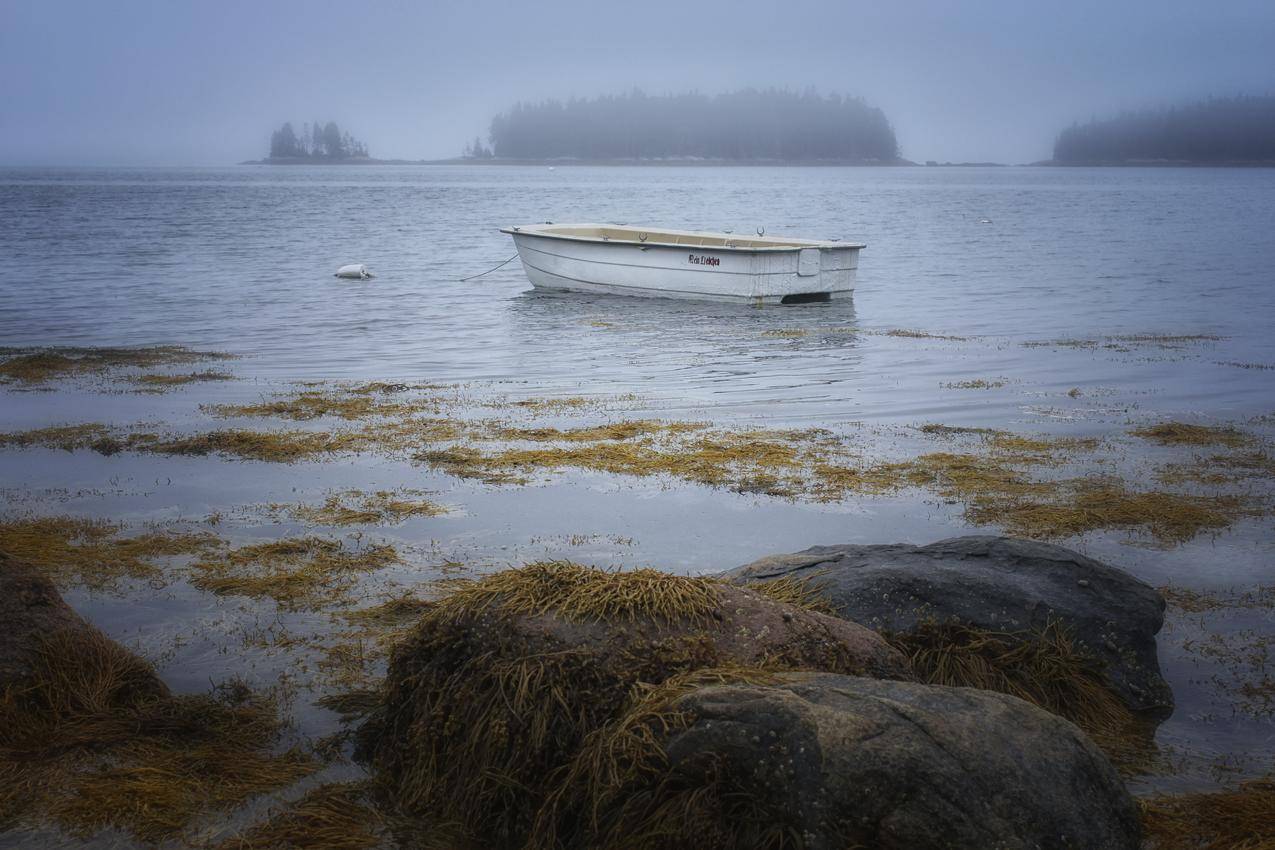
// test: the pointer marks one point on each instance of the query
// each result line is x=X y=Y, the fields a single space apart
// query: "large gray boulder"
x=855 y=762
x=993 y=583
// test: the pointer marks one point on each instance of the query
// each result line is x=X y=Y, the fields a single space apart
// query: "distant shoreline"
x=1158 y=163
x=593 y=162
x=774 y=163
x=358 y=160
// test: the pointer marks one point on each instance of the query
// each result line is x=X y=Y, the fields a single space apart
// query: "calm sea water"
x=241 y=260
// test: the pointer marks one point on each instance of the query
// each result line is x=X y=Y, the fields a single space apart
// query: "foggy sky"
x=182 y=83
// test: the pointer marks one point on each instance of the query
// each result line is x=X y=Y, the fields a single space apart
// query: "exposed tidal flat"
x=249 y=473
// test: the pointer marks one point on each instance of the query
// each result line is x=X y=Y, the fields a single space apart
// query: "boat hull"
x=699 y=273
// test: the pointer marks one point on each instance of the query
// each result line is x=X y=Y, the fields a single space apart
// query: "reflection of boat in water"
x=690 y=343
x=684 y=357
x=685 y=264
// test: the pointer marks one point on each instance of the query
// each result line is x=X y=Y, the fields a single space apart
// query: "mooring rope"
x=489 y=271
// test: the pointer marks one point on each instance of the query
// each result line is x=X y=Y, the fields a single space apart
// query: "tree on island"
x=749 y=124
x=285 y=144
x=317 y=142
x=1217 y=130
x=476 y=150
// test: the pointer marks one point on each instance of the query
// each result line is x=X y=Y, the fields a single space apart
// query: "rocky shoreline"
x=368 y=692
x=781 y=704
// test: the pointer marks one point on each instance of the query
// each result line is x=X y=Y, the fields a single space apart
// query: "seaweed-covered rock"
x=32 y=613
x=827 y=761
x=92 y=741
x=994 y=584
x=488 y=702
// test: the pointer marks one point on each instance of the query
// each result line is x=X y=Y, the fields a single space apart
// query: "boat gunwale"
x=534 y=230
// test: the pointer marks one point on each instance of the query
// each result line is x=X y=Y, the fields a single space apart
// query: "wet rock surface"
x=744 y=628
x=994 y=583
x=854 y=762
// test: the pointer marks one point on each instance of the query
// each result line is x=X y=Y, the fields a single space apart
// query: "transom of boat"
x=672 y=238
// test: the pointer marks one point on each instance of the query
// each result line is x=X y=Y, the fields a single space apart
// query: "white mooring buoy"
x=354 y=271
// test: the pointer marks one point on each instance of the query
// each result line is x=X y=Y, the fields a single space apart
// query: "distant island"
x=782 y=127
x=316 y=144
x=1217 y=131
x=747 y=127
x=743 y=126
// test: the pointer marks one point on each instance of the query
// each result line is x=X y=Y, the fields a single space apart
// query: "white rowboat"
x=624 y=260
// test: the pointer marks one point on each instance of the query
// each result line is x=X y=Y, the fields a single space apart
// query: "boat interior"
x=660 y=236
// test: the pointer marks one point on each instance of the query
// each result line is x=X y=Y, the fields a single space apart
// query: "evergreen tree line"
x=1234 y=129
x=316 y=141
x=749 y=124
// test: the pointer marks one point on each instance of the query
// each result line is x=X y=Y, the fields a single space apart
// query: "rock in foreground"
x=832 y=761
x=32 y=614
x=91 y=739
x=993 y=584
x=489 y=702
